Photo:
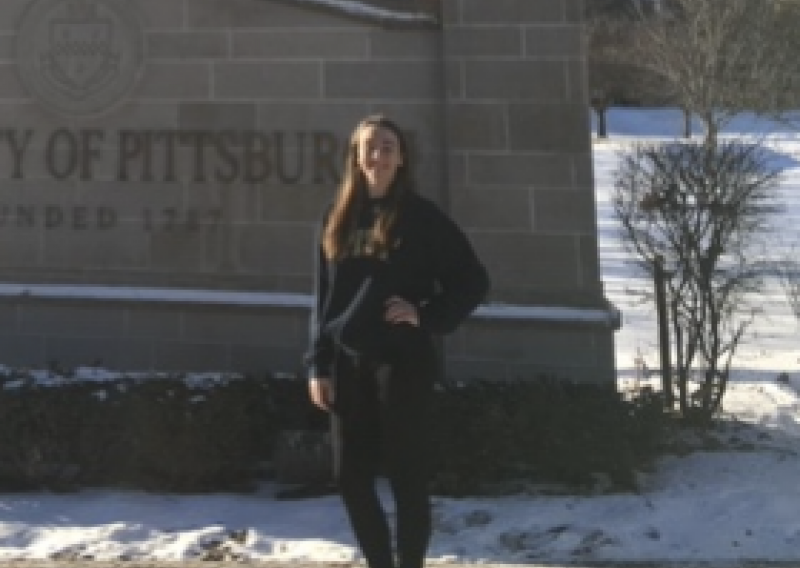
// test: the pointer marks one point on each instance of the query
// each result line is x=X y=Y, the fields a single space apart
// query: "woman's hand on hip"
x=399 y=310
x=321 y=392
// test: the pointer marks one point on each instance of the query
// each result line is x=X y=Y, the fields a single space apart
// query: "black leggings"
x=380 y=426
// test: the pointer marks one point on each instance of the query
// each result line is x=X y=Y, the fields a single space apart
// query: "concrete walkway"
x=290 y=564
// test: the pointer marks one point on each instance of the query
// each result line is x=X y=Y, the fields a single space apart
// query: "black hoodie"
x=430 y=264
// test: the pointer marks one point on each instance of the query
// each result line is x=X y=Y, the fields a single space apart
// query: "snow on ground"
x=720 y=506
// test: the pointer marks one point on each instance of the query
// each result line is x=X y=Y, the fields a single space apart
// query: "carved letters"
x=167 y=156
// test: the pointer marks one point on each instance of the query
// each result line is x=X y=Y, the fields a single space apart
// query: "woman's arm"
x=319 y=356
x=462 y=280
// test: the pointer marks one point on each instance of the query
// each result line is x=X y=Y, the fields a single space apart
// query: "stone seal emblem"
x=79 y=57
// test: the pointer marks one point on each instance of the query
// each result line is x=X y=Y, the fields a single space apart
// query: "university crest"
x=79 y=56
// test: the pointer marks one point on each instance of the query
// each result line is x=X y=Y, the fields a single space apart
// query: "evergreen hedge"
x=171 y=432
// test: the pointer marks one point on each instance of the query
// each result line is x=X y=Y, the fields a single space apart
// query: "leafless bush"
x=698 y=210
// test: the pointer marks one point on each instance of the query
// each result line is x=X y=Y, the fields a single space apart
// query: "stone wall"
x=186 y=148
x=520 y=177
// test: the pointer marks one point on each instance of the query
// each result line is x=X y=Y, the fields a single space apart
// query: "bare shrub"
x=699 y=210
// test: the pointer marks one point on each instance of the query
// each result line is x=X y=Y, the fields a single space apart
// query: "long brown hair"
x=352 y=195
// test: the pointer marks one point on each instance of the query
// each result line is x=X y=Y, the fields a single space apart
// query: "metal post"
x=660 y=278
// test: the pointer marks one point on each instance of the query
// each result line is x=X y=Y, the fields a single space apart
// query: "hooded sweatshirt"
x=430 y=263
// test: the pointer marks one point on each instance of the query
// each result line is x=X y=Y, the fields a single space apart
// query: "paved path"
x=289 y=564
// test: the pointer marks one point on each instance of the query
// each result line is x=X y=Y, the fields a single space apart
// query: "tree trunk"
x=687 y=123
x=712 y=131
x=602 y=127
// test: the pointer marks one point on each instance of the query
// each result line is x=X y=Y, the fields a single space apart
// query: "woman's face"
x=379 y=157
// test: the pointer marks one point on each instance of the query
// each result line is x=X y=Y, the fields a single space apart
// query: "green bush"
x=56 y=434
x=190 y=433
x=490 y=433
x=159 y=432
x=196 y=437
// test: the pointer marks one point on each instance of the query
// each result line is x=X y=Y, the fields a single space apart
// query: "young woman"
x=392 y=270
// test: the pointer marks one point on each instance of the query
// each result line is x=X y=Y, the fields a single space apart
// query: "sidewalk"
x=300 y=564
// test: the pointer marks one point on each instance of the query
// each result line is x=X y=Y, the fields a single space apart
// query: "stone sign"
x=164 y=165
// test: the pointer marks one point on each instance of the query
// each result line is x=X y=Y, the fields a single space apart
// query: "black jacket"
x=430 y=263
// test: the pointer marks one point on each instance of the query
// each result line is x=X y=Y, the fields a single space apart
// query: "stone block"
x=180 y=356
x=25 y=115
x=260 y=359
x=456 y=163
x=574 y=10
x=133 y=114
x=483 y=41
x=7 y=50
x=249 y=14
x=179 y=81
x=163 y=14
x=17 y=350
x=11 y=167
x=584 y=172
x=131 y=205
x=280 y=80
x=560 y=128
x=589 y=263
x=242 y=326
x=486 y=209
x=431 y=178
x=477 y=126
x=69 y=351
x=559 y=42
x=520 y=342
x=197 y=251
x=606 y=357
x=10 y=13
x=521 y=260
x=81 y=242
x=10 y=85
x=77 y=320
x=528 y=80
x=154 y=322
x=296 y=283
x=216 y=206
x=281 y=44
x=451 y=13
x=137 y=355
x=20 y=248
x=22 y=195
x=216 y=116
x=454 y=80
x=9 y=314
x=512 y=11
x=404 y=44
x=277 y=249
x=521 y=170
x=563 y=211
x=395 y=80
x=303 y=203
x=187 y=45
x=336 y=118
x=578 y=81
